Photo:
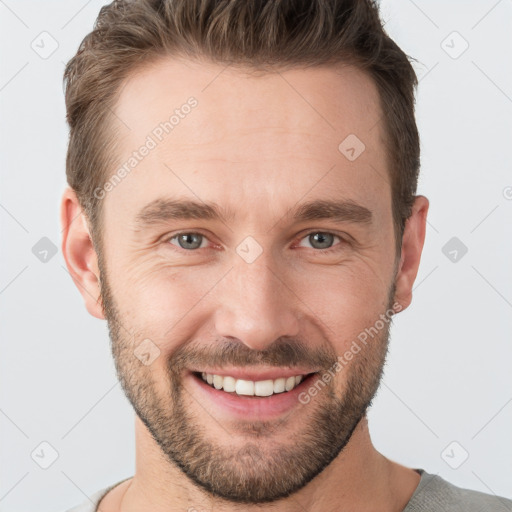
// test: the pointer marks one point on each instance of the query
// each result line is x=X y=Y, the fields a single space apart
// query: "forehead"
x=267 y=136
x=316 y=98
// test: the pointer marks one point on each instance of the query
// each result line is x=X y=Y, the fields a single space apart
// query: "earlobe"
x=412 y=246
x=79 y=253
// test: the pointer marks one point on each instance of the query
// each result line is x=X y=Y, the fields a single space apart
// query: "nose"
x=256 y=305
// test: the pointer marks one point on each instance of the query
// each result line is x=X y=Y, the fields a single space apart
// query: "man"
x=278 y=139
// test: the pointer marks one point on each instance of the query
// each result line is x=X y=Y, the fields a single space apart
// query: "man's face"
x=262 y=294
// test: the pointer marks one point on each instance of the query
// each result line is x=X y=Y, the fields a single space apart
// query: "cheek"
x=169 y=305
x=164 y=304
x=345 y=299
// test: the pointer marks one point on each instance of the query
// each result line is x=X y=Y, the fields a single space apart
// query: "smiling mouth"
x=261 y=388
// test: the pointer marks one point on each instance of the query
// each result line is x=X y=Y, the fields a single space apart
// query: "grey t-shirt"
x=433 y=494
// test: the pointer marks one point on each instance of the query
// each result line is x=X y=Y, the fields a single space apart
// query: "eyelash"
x=321 y=251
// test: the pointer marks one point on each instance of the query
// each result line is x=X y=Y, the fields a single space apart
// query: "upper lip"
x=256 y=375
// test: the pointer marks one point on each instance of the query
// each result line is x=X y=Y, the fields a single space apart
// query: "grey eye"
x=188 y=241
x=321 y=240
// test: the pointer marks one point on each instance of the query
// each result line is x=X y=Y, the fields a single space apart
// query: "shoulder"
x=436 y=494
x=92 y=502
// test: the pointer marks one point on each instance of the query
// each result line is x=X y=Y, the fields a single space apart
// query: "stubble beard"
x=257 y=470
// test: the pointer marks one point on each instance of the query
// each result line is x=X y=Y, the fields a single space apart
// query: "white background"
x=448 y=376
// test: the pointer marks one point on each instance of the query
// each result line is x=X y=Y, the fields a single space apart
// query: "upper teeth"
x=250 y=387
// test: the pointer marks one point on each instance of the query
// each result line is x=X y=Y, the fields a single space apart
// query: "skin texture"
x=259 y=145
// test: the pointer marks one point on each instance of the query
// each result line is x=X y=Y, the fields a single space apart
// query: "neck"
x=360 y=478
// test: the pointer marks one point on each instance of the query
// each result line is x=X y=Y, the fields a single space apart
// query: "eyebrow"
x=163 y=210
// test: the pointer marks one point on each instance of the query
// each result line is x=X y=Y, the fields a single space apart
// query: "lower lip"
x=250 y=407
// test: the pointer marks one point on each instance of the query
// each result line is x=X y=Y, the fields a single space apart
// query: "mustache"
x=283 y=353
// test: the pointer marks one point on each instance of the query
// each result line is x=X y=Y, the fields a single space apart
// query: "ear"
x=79 y=252
x=412 y=245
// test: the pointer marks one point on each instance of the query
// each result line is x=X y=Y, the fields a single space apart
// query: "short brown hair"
x=263 y=34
